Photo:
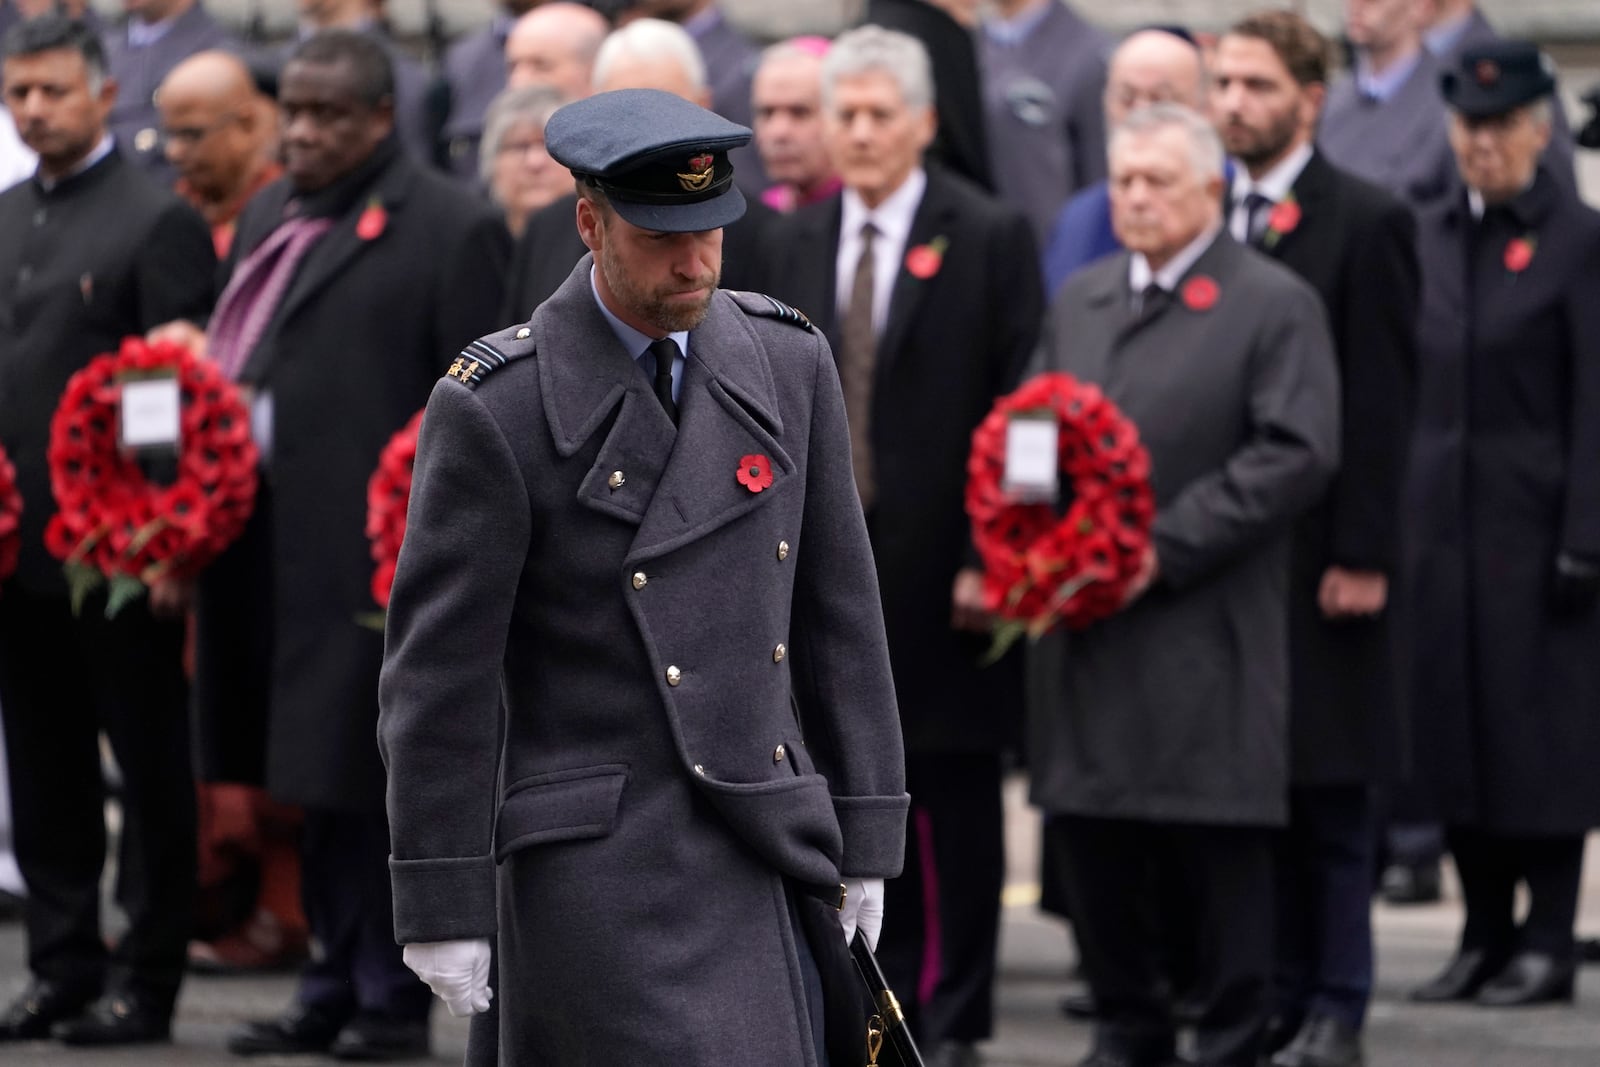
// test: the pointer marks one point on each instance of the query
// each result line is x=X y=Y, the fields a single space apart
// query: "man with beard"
x=1355 y=245
x=352 y=280
x=637 y=692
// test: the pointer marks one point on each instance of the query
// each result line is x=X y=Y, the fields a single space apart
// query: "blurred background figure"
x=474 y=72
x=1503 y=507
x=1044 y=74
x=786 y=98
x=157 y=35
x=513 y=163
x=221 y=136
x=555 y=45
x=1384 y=120
x=1356 y=245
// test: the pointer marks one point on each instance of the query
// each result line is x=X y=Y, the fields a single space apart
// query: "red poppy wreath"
x=116 y=526
x=1043 y=566
x=10 y=517
x=388 y=494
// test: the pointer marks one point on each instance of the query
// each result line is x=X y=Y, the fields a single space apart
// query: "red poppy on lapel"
x=755 y=473
x=1285 y=217
x=372 y=221
x=1519 y=253
x=924 y=261
x=1200 y=293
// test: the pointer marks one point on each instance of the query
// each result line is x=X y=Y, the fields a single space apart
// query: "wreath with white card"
x=115 y=525
x=1058 y=491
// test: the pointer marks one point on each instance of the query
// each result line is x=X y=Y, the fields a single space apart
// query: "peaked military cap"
x=1498 y=77
x=661 y=161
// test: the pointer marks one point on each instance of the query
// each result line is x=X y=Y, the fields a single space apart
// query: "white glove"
x=456 y=971
x=863 y=907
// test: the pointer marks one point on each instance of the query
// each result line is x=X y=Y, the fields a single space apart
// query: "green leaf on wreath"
x=125 y=589
x=82 y=580
x=146 y=532
x=1006 y=634
x=373 y=620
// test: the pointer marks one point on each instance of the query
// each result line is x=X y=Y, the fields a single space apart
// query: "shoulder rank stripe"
x=475 y=362
x=770 y=308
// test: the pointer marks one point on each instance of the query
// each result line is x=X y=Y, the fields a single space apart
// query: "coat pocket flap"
x=559 y=806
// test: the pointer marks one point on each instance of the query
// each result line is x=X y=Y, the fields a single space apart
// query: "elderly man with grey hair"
x=512 y=161
x=929 y=291
x=1159 y=737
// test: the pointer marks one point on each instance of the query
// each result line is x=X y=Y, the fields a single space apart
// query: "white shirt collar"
x=1168 y=277
x=1275 y=183
x=1475 y=203
x=892 y=217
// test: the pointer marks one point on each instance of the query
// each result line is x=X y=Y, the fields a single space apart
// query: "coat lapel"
x=727 y=410
x=932 y=220
x=1311 y=191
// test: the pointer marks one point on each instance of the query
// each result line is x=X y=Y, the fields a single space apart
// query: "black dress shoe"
x=1322 y=1042
x=1589 y=949
x=117 y=1019
x=1530 y=978
x=378 y=1039
x=1079 y=1005
x=1412 y=883
x=1279 y=1031
x=303 y=1028
x=41 y=1006
x=1461 y=980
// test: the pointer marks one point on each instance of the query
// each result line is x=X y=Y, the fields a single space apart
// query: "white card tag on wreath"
x=150 y=413
x=1032 y=441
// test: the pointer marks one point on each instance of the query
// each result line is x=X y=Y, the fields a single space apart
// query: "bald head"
x=219 y=128
x=555 y=45
x=1153 y=67
x=653 y=54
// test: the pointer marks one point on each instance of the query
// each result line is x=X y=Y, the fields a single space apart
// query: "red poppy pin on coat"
x=755 y=473
x=1200 y=293
x=1519 y=254
x=924 y=261
x=372 y=221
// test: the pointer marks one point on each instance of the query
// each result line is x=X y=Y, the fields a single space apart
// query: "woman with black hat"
x=1503 y=501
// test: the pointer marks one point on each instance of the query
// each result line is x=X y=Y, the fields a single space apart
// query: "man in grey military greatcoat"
x=636 y=704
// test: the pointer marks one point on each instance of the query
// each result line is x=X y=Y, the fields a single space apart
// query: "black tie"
x=665 y=352
x=1257 y=209
x=1149 y=300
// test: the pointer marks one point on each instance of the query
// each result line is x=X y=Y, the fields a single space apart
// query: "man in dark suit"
x=1355 y=244
x=157 y=36
x=645 y=54
x=474 y=73
x=380 y=266
x=1159 y=737
x=670 y=580
x=91 y=251
x=930 y=292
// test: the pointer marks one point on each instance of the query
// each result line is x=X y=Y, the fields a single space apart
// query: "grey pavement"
x=1036 y=956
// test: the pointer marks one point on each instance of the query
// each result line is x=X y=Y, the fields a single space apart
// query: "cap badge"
x=1487 y=72
x=701 y=169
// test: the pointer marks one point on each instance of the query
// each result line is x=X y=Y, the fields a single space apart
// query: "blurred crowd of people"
x=1351 y=312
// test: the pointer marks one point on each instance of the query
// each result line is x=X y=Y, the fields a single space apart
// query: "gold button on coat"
x=674 y=676
x=640 y=579
x=616 y=480
x=783 y=550
x=777 y=754
x=778 y=654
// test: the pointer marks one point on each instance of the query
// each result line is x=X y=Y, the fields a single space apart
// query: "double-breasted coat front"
x=1503 y=477
x=698 y=716
x=1176 y=709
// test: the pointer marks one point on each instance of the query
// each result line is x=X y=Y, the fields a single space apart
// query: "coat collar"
x=1111 y=284
x=934 y=218
x=679 y=482
x=1529 y=209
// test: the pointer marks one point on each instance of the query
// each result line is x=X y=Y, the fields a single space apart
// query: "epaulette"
x=480 y=358
x=771 y=308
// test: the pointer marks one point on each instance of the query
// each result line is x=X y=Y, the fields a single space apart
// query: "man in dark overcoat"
x=1159 y=738
x=473 y=73
x=1356 y=245
x=157 y=36
x=1503 y=510
x=932 y=313
x=380 y=266
x=663 y=708
x=91 y=251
